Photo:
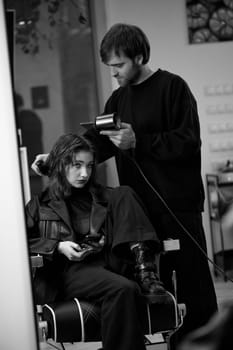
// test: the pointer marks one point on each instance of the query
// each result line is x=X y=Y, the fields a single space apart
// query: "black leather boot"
x=147 y=275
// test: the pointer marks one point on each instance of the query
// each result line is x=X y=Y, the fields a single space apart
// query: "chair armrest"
x=36 y=261
x=171 y=244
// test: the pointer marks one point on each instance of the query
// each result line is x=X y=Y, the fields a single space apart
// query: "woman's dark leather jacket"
x=48 y=223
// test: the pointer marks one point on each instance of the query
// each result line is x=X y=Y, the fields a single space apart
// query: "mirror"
x=54 y=78
x=54 y=73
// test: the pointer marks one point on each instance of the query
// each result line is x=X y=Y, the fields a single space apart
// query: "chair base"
x=75 y=321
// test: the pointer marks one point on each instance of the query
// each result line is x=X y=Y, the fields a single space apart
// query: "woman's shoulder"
x=105 y=193
x=37 y=199
x=125 y=191
x=101 y=192
x=122 y=189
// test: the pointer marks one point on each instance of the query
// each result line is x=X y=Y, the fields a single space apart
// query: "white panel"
x=17 y=326
x=25 y=174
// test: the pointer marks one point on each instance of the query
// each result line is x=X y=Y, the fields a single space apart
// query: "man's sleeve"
x=104 y=147
x=181 y=139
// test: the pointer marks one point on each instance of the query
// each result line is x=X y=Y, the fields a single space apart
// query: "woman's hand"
x=39 y=158
x=70 y=249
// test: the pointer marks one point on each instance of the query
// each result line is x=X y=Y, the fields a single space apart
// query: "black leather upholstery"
x=74 y=320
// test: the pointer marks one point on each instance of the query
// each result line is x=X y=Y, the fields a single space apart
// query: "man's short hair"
x=127 y=39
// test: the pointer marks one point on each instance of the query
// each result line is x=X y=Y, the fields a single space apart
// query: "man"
x=160 y=131
x=30 y=125
x=158 y=154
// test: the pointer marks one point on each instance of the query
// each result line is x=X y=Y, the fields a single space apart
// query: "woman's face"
x=79 y=172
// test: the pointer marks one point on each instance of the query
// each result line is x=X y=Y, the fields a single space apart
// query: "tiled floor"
x=90 y=346
x=224 y=291
x=77 y=346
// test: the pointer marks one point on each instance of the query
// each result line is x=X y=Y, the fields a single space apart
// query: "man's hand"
x=41 y=158
x=123 y=138
x=70 y=250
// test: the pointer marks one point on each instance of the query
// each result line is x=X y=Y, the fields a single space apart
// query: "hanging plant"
x=28 y=33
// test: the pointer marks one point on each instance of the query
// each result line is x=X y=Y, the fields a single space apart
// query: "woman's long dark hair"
x=63 y=154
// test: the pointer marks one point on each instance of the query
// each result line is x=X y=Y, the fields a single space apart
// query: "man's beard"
x=132 y=80
x=136 y=75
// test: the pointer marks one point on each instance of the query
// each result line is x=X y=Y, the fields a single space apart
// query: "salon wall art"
x=209 y=21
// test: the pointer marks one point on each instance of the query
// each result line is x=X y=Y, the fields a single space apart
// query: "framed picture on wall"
x=40 y=97
x=209 y=20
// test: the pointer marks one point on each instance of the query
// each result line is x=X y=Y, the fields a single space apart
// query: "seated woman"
x=97 y=244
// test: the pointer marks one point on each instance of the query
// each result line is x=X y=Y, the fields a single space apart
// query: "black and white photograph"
x=117 y=174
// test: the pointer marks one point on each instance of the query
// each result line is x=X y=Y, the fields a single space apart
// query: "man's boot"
x=146 y=274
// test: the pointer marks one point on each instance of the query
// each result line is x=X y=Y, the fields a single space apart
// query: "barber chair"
x=79 y=320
